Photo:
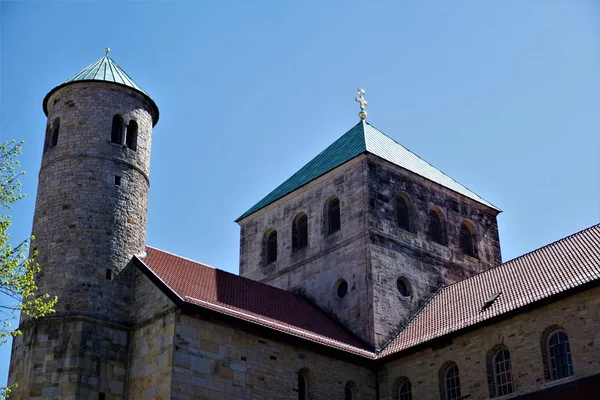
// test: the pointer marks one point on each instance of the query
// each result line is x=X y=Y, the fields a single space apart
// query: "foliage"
x=17 y=268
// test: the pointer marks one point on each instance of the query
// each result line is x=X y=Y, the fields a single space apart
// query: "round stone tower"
x=90 y=220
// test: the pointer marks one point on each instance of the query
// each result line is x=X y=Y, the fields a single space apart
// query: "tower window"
x=402 y=213
x=300 y=232
x=271 y=247
x=117 y=180
x=116 y=134
x=132 y=135
x=436 y=229
x=467 y=240
x=55 y=130
x=109 y=274
x=101 y=396
x=333 y=215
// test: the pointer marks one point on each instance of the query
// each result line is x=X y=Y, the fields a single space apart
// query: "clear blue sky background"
x=502 y=96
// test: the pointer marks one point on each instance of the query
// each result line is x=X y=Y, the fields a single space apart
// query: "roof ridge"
x=185 y=258
x=513 y=260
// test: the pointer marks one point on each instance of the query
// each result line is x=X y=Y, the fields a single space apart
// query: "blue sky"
x=502 y=96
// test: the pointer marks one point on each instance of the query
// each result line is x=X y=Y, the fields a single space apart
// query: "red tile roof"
x=552 y=269
x=252 y=301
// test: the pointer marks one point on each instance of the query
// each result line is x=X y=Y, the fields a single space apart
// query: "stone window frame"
x=303 y=378
x=131 y=135
x=351 y=389
x=299 y=241
x=491 y=370
x=468 y=225
x=442 y=377
x=52 y=131
x=268 y=258
x=400 y=383
x=409 y=211
x=327 y=215
x=547 y=334
x=443 y=232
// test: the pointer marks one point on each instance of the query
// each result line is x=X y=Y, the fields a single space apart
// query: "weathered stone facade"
x=86 y=228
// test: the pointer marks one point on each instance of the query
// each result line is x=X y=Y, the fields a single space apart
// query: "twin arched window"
x=271 y=247
x=300 y=232
x=118 y=132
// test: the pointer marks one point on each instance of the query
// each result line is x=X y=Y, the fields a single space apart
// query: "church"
x=367 y=275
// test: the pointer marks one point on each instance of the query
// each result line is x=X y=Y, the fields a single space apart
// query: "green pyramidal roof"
x=363 y=138
x=107 y=70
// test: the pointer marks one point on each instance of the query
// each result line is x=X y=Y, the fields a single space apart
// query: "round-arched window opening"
x=403 y=287
x=342 y=288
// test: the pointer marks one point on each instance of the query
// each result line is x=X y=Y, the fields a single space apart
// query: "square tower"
x=368 y=231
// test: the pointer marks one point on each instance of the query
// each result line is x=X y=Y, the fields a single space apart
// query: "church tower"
x=368 y=231
x=90 y=220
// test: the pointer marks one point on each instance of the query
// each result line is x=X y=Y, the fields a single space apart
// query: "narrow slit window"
x=271 y=255
x=109 y=274
x=116 y=135
x=55 y=131
x=117 y=180
x=101 y=396
x=402 y=214
x=302 y=387
x=333 y=215
x=132 y=135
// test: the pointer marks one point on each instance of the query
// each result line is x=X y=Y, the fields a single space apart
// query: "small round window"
x=403 y=286
x=342 y=288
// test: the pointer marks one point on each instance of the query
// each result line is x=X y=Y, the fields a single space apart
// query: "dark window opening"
x=101 y=396
x=435 y=227
x=271 y=247
x=116 y=134
x=342 y=289
x=559 y=352
x=467 y=241
x=117 y=180
x=301 y=387
x=300 y=232
x=405 y=391
x=132 y=135
x=333 y=216
x=403 y=287
x=402 y=213
x=55 y=129
x=109 y=274
x=347 y=393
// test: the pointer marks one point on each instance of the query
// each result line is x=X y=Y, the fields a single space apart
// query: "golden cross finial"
x=363 y=103
x=107 y=50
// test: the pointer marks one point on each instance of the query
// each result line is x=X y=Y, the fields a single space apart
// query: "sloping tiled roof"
x=560 y=266
x=248 y=300
x=107 y=70
x=363 y=138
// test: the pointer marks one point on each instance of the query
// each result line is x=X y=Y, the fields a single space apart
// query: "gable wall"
x=578 y=315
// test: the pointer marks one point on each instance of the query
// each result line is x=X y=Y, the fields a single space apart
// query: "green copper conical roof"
x=363 y=138
x=107 y=70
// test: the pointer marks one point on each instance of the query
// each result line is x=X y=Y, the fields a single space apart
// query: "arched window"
x=559 y=355
x=450 y=382
x=467 y=240
x=271 y=247
x=116 y=134
x=55 y=130
x=302 y=386
x=436 y=228
x=300 y=232
x=503 y=382
x=349 y=390
x=333 y=216
x=405 y=391
x=132 y=135
x=402 y=213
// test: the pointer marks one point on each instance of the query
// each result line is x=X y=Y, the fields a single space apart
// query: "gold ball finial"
x=107 y=50
x=362 y=115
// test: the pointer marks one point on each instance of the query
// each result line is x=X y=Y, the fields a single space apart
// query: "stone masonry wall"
x=217 y=361
x=410 y=255
x=578 y=315
x=316 y=269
